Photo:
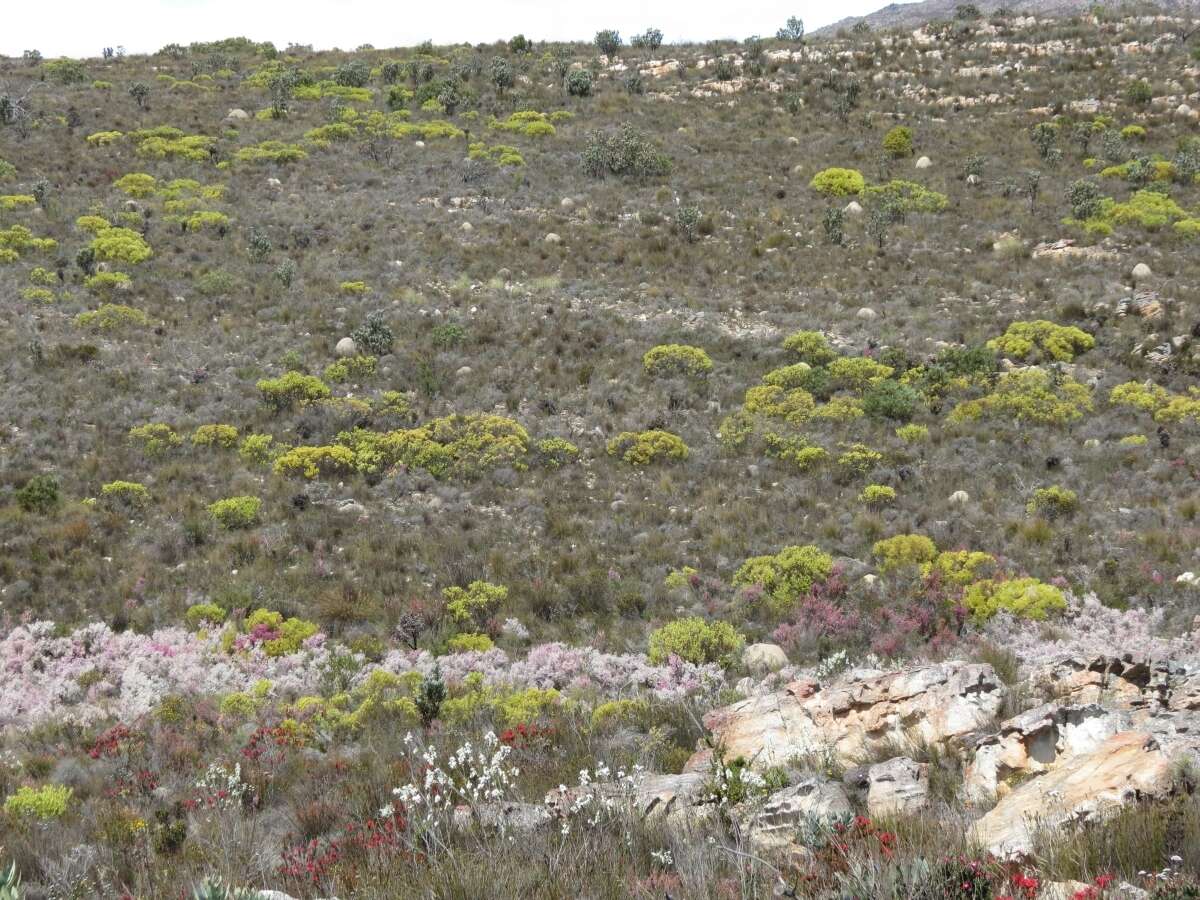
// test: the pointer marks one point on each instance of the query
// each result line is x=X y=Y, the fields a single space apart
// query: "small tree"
x=1084 y=197
x=608 y=42
x=833 y=224
x=502 y=76
x=140 y=92
x=793 y=31
x=430 y=696
x=650 y=39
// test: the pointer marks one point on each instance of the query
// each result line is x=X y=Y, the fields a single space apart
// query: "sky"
x=84 y=27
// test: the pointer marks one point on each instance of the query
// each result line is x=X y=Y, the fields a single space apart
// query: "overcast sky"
x=84 y=27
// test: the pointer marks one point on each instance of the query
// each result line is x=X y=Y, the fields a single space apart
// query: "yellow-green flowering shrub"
x=1024 y=597
x=309 y=462
x=877 y=495
x=1031 y=395
x=858 y=459
x=898 y=142
x=554 y=453
x=959 y=567
x=500 y=154
x=858 y=372
x=260 y=449
x=455 y=446
x=120 y=245
x=236 y=512
x=1052 y=502
x=618 y=712
x=475 y=603
x=908 y=196
x=527 y=122
x=353 y=287
x=676 y=359
x=11 y=202
x=17 y=239
x=105 y=284
x=215 y=435
x=1181 y=407
x=112 y=317
x=795 y=450
x=786 y=576
x=840 y=409
x=206 y=219
x=165 y=142
x=92 y=224
x=292 y=389
x=43 y=276
x=292 y=632
x=642 y=448
x=200 y=613
x=104 y=138
x=124 y=495
x=695 y=641
x=46 y=803
x=1042 y=340
x=789 y=377
x=154 y=438
x=37 y=295
x=680 y=578
x=810 y=347
x=469 y=643
x=794 y=407
x=904 y=551
x=837 y=182
x=271 y=152
x=350 y=369
x=912 y=434
x=137 y=184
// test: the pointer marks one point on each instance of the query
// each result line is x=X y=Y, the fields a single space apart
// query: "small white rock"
x=853 y=208
x=567 y=204
x=1141 y=272
x=974 y=179
x=463 y=371
x=958 y=498
x=467 y=226
x=346 y=347
x=420 y=144
x=553 y=238
x=867 y=314
x=924 y=163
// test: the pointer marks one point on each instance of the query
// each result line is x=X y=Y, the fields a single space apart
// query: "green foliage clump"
x=39 y=494
x=1031 y=395
x=45 y=803
x=898 y=142
x=858 y=372
x=309 y=462
x=1052 y=502
x=165 y=142
x=642 y=448
x=292 y=389
x=696 y=641
x=912 y=434
x=554 y=453
x=624 y=152
x=236 y=512
x=1042 y=339
x=500 y=154
x=527 y=122
x=858 y=459
x=292 y=632
x=352 y=368
x=877 y=495
x=215 y=435
x=124 y=495
x=112 y=317
x=120 y=245
x=469 y=643
x=455 y=446
x=105 y=284
x=676 y=359
x=11 y=202
x=154 y=438
x=810 y=347
x=65 y=71
x=794 y=407
x=907 y=197
x=271 y=152
x=890 y=400
x=904 y=551
x=199 y=613
x=958 y=567
x=259 y=449
x=837 y=182
x=17 y=239
x=1026 y=598
x=1181 y=407
x=137 y=184
x=786 y=576
x=474 y=603
x=795 y=450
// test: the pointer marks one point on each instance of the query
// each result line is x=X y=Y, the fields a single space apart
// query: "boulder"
x=1141 y=272
x=507 y=817
x=899 y=785
x=652 y=796
x=924 y=163
x=763 y=659
x=553 y=238
x=567 y=204
x=853 y=208
x=771 y=829
x=960 y=498
x=864 y=713
x=346 y=347
x=867 y=314
x=236 y=114
x=974 y=180
x=1033 y=742
x=1127 y=767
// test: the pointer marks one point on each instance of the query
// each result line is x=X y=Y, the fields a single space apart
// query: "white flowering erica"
x=601 y=797
x=221 y=787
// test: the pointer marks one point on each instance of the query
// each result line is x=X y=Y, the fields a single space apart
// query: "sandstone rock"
x=974 y=180
x=1141 y=272
x=1065 y=249
x=863 y=713
x=899 y=785
x=1033 y=742
x=652 y=796
x=1127 y=767
x=960 y=498
x=236 y=114
x=924 y=163
x=567 y=204
x=553 y=238
x=853 y=208
x=518 y=817
x=346 y=347
x=1184 y=111
x=867 y=314
x=771 y=829
x=467 y=227
x=763 y=659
